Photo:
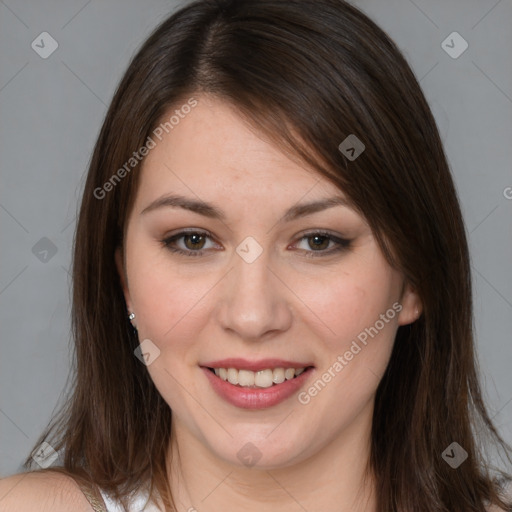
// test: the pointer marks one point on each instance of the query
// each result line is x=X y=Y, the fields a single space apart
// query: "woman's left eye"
x=194 y=242
x=318 y=240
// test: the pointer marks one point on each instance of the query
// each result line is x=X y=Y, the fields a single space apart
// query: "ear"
x=411 y=305
x=122 y=276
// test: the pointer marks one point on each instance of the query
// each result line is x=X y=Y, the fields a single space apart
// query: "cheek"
x=170 y=302
x=352 y=367
x=355 y=317
x=171 y=312
x=345 y=303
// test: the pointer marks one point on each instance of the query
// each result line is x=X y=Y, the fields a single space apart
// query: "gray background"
x=52 y=109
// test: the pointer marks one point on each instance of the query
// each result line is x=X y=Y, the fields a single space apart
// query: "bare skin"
x=283 y=305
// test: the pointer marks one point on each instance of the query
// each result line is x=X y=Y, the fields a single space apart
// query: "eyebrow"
x=212 y=212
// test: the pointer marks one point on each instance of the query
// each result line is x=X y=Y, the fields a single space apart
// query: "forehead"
x=212 y=151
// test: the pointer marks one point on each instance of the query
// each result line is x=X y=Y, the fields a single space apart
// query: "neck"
x=334 y=479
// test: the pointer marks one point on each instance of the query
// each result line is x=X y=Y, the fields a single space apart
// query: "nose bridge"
x=253 y=301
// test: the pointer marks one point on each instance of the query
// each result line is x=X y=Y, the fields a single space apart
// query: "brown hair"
x=306 y=73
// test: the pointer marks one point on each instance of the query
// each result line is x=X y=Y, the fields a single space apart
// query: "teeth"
x=263 y=378
x=289 y=373
x=278 y=375
x=232 y=376
x=245 y=377
x=260 y=379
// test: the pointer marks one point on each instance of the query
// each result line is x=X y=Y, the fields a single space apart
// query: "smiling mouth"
x=260 y=379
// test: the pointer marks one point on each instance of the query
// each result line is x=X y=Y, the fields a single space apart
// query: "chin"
x=265 y=451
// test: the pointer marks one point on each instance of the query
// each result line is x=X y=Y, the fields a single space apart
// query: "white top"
x=140 y=504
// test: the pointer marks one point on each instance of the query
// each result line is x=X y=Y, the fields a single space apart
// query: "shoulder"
x=41 y=492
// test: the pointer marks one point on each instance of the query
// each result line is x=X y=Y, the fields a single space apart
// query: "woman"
x=272 y=294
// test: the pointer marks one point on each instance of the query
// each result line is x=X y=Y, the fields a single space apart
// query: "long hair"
x=307 y=74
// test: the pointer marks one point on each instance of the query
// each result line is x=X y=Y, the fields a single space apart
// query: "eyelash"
x=343 y=244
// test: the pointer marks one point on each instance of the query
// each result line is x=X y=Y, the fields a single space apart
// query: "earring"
x=131 y=316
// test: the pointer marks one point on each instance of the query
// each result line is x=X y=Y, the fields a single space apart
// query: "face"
x=254 y=285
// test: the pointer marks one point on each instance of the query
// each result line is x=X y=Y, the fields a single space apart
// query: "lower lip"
x=256 y=398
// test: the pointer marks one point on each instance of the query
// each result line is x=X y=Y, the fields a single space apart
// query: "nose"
x=254 y=299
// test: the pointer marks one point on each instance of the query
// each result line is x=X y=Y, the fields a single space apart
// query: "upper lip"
x=255 y=366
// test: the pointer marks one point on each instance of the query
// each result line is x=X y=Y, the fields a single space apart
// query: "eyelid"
x=189 y=231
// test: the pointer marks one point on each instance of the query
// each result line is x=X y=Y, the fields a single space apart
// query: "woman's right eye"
x=191 y=239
